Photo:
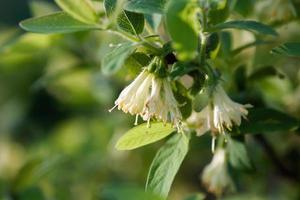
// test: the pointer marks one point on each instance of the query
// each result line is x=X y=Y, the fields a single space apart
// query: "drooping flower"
x=220 y=114
x=150 y=97
x=132 y=98
x=215 y=175
x=226 y=111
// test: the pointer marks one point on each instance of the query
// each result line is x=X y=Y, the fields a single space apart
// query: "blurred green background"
x=57 y=137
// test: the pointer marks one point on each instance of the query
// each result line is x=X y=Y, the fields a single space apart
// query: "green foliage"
x=179 y=69
x=115 y=59
x=127 y=193
x=238 y=155
x=55 y=98
x=220 y=10
x=253 y=26
x=81 y=10
x=288 y=49
x=265 y=120
x=131 y=22
x=182 y=23
x=244 y=7
x=142 y=135
x=110 y=6
x=146 y=7
x=166 y=164
x=56 y=23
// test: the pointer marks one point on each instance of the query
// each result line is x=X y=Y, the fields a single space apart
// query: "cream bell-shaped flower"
x=220 y=114
x=132 y=98
x=215 y=175
x=227 y=112
x=162 y=104
x=150 y=97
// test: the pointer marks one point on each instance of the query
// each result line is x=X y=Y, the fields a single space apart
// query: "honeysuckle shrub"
x=193 y=68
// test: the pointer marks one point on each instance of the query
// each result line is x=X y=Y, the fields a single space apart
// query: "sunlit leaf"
x=142 y=135
x=183 y=26
x=56 y=23
x=146 y=6
x=81 y=10
x=40 y=8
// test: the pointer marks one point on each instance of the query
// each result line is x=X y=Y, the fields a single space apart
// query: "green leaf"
x=154 y=21
x=288 y=49
x=244 y=7
x=238 y=155
x=142 y=135
x=252 y=26
x=81 y=10
x=115 y=59
x=40 y=8
x=146 y=6
x=183 y=26
x=249 y=45
x=265 y=120
x=131 y=22
x=56 y=23
x=213 y=46
x=110 y=6
x=135 y=62
x=166 y=164
x=179 y=69
x=220 y=11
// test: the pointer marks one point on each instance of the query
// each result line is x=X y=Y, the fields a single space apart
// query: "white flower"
x=162 y=104
x=132 y=98
x=215 y=175
x=150 y=97
x=227 y=112
x=220 y=114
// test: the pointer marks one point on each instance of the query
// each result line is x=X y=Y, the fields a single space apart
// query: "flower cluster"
x=150 y=97
x=220 y=114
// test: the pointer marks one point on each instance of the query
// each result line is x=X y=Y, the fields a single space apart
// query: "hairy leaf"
x=56 y=23
x=166 y=164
